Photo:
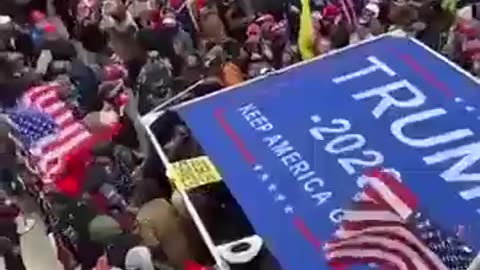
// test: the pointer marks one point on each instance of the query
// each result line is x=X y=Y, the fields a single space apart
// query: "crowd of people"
x=107 y=202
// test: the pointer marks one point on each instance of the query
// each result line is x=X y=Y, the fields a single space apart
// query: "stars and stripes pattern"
x=32 y=126
x=453 y=253
x=384 y=227
x=48 y=130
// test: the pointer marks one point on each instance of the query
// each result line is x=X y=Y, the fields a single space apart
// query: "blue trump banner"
x=292 y=147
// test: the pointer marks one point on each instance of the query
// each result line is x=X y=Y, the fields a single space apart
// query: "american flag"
x=383 y=227
x=47 y=129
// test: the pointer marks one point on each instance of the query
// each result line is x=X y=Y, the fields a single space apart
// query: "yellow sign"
x=191 y=173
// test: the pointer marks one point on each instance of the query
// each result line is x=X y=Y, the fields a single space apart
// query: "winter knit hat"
x=37 y=16
x=103 y=228
x=139 y=258
x=331 y=12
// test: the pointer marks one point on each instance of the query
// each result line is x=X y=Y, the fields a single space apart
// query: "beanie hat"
x=331 y=11
x=37 y=16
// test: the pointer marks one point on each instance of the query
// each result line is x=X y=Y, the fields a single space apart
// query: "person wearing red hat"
x=199 y=4
x=335 y=27
x=331 y=14
x=36 y=16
